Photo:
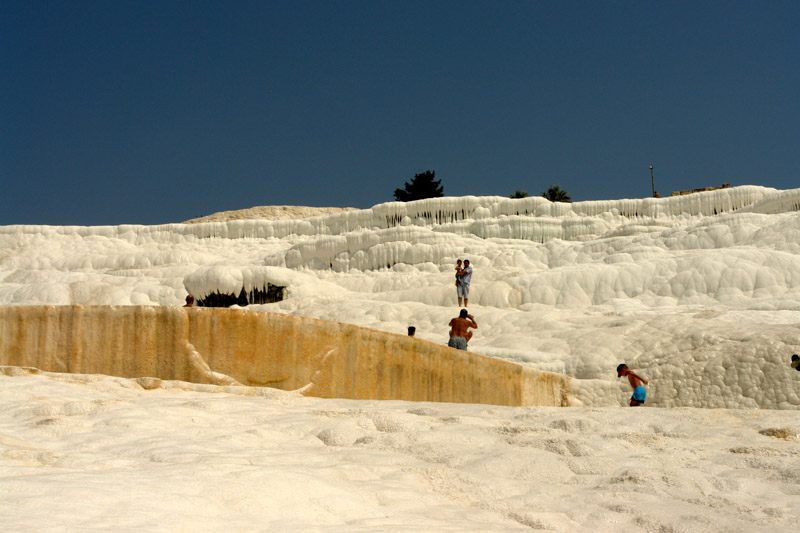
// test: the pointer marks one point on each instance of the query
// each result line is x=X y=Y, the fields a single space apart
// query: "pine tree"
x=420 y=187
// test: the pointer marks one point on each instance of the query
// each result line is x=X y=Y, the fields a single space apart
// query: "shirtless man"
x=459 y=330
x=636 y=381
x=189 y=301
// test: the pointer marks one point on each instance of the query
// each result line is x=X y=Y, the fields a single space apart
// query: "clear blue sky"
x=150 y=112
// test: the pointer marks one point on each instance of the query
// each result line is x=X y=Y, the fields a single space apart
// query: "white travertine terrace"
x=271 y=212
x=699 y=293
x=236 y=346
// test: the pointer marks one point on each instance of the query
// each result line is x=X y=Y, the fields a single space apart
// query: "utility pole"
x=653 y=180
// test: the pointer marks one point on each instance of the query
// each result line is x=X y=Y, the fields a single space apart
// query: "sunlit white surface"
x=700 y=294
x=99 y=453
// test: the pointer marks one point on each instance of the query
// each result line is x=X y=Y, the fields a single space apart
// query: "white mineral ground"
x=270 y=212
x=699 y=294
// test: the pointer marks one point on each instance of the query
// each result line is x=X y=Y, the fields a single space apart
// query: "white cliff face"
x=700 y=294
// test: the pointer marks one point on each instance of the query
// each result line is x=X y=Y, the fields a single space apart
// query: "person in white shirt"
x=462 y=285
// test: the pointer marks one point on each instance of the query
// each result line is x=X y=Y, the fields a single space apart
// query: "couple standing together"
x=459 y=326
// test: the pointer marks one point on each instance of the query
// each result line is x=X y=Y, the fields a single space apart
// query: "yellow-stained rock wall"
x=226 y=346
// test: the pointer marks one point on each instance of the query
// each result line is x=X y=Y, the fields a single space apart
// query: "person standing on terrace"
x=463 y=278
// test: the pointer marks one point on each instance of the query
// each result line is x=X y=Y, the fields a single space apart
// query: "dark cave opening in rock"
x=265 y=295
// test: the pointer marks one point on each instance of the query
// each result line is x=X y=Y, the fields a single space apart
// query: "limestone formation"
x=230 y=346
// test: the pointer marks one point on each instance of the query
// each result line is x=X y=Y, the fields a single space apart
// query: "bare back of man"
x=459 y=330
x=636 y=381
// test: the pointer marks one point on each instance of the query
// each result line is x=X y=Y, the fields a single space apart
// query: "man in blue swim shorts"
x=636 y=381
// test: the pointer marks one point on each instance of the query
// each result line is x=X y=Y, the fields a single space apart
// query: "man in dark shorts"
x=459 y=330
